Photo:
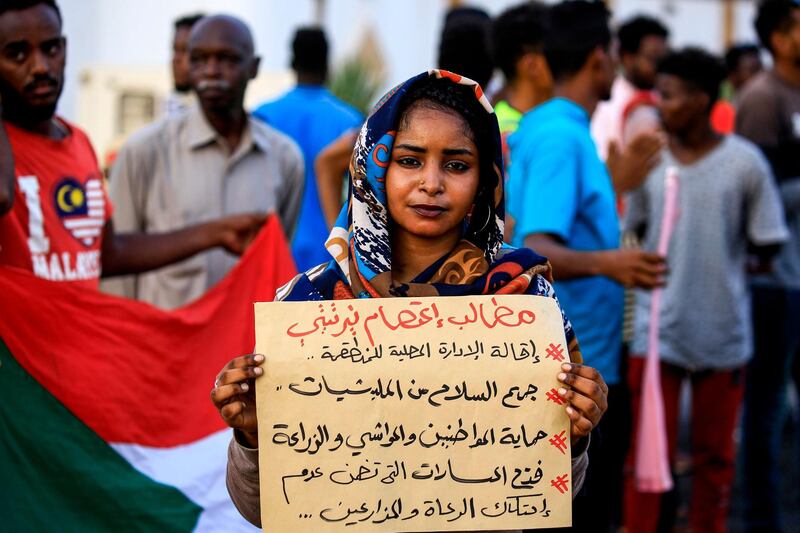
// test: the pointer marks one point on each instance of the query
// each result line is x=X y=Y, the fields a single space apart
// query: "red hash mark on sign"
x=561 y=483
x=555 y=351
x=553 y=396
x=560 y=442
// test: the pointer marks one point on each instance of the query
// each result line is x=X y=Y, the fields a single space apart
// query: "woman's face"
x=433 y=175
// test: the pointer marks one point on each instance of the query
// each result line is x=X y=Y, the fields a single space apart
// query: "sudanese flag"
x=105 y=418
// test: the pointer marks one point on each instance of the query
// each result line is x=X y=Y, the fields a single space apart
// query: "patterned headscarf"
x=360 y=242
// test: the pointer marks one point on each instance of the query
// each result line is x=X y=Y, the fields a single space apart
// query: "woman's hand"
x=586 y=396
x=234 y=395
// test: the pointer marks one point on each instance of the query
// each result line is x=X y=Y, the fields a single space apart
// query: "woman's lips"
x=428 y=211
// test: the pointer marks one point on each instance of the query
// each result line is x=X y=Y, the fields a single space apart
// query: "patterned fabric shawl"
x=361 y=264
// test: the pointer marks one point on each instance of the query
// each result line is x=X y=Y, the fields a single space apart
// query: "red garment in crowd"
x=716 y=397
x=55 y=228
x=639 y=99
x=723 y=117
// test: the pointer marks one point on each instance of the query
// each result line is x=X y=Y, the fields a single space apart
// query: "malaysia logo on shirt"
x=81 y=208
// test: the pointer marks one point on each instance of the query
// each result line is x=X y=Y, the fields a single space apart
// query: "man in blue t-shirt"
x=312 y=116
x=562 y=199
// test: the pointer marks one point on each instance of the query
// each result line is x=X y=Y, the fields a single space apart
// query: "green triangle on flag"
x=56 y=474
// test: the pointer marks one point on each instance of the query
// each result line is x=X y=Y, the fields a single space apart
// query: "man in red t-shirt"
x=55 y=216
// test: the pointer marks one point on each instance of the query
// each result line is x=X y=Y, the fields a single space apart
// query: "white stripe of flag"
x=86 y=232
x=83 y=222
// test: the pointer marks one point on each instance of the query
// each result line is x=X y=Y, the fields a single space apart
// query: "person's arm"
x=139 y=252
x=330 y=167
x=294 y=181
x=631 y=268
x=241 y=479
x=586 y=394
x=234 y=397
x=580 y=464
x=7 y=180
x=765 y=219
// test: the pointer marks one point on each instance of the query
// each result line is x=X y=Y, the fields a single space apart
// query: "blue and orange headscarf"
x=360 y=244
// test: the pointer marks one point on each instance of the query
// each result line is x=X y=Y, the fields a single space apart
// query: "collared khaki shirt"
x=178 y=172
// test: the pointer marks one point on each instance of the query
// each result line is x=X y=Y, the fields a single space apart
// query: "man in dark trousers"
x=769 y=116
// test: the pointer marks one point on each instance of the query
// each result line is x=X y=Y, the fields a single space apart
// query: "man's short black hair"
x=517 y=31
x=631 y=33
x=697 y=68
x=187 y=21
x=774 y=15
x=465 y=46
x=735 y=54
x=576 y=29
x=19 y=5
x=310 y=51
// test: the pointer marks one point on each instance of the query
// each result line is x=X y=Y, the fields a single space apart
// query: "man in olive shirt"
x=769 y=116
x=209 y=161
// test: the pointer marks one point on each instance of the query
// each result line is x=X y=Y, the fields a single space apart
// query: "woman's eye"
x=458 y=166
x=407 y=162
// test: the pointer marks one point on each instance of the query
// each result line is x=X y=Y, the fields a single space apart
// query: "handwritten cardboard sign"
x=402 y=414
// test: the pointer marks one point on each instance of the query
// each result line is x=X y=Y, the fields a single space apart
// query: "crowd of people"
x=448 y=191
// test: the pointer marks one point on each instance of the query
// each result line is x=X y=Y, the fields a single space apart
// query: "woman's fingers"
x=587 y=394
x=586 y=406
x=243 y=362
x=222 y=394
x=581 y=426
x=241 y=415
x=233 y=392
x=584 y=378
x=233 y=414
x=237 y=375
x=240 y=369
x=586 y=388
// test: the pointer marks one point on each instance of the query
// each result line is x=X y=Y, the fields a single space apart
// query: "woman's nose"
x=431 y=179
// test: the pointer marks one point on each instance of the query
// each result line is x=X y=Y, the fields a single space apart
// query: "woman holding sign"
x=424 y=218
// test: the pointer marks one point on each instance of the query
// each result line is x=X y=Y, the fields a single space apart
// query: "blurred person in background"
x=213 y=160
x=575 y=225
x=330 y=166
x=518 y=46
x=312 y=116
x=465 y=44
x=631 y=108
x=728 y=203
x=742 y=62
x=56 y=220
x=768 y=114
x=181 y=97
